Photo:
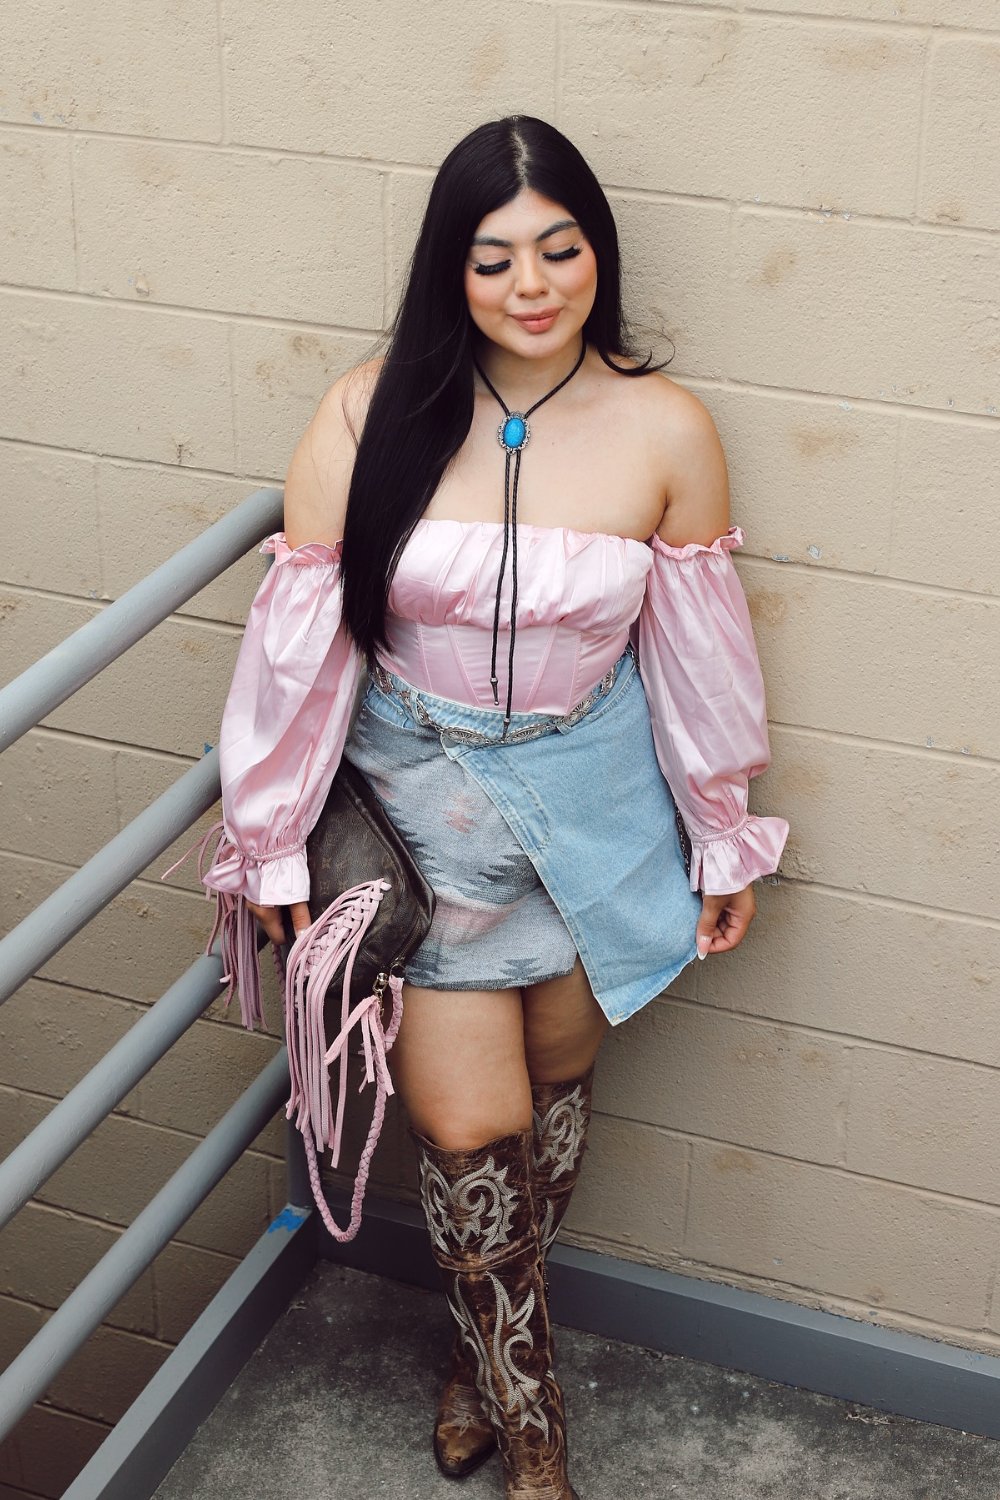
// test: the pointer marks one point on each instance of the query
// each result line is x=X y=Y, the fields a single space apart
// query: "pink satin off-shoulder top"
x=581 y=596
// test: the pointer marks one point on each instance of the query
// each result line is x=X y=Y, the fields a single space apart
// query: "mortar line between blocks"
x=876 y=742
x=896 y=903
x=71 y=140
x=234 y=407
x=853 y=1041
x=897 y=476
x=844 y=1107
x=386 y=207
x=991 y=1291
x=923 y=126
x=912 y=585
x=237 y=149
x=559 y=63
x=221 y=61
x=744 y=11
x=981 y=1206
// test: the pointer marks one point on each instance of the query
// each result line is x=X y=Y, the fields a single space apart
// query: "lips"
x=537 y=322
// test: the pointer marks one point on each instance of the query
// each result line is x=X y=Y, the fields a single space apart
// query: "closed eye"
x=496 y=267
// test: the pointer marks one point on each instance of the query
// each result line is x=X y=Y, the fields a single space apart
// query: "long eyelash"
x=502 y=265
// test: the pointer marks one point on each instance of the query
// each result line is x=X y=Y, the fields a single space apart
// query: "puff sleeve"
x=699 y=667
x=284 y=724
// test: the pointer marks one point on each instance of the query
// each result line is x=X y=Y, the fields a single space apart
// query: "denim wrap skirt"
x=559 y=838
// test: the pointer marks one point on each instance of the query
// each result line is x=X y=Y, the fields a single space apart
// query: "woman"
x=499 y=596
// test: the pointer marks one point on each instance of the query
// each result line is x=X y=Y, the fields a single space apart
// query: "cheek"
x=581 y=280
x=483 y=293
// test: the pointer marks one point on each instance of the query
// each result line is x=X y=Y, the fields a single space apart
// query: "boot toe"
x=455 y=1463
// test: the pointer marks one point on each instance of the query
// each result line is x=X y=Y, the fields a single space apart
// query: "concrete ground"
x=338 y=1401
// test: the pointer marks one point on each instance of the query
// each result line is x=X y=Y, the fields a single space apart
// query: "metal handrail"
x=84 y=1309
x=88 y=890
x=67 y=1125
x=43 y=932
x=68 y=666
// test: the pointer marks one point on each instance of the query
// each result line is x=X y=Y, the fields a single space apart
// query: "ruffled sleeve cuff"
x=309 y=555
x=691 y=551
x=726 y=862
x=275 y=877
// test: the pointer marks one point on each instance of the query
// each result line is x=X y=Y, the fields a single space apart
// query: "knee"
x=561 y=1067
x=471 y=1132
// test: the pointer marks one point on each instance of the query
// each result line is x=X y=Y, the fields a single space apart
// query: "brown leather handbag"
x=345 y=969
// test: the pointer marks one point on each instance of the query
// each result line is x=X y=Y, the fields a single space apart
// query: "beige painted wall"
x=202 y=220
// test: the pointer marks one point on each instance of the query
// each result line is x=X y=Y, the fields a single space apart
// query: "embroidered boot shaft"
x=484 y=1237
x=463 y=1433
x=560 y=1123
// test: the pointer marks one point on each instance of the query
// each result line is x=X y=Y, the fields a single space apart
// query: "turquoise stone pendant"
x=513 y=433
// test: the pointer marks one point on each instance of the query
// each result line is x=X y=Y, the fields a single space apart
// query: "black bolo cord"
x=510 y=525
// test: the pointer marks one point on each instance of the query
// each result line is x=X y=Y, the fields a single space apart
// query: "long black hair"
x=422 y=402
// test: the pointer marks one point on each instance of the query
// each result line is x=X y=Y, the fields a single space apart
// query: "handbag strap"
x=334 y=939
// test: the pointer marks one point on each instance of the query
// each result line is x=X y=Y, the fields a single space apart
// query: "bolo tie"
x=512 y=435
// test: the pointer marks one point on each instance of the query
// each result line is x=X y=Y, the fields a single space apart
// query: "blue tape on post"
x=289 y=1218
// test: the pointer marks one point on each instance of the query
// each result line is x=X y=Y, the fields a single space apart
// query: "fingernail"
x=704 y=943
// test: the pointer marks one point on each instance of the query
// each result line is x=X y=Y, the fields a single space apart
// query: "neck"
x=522 y=381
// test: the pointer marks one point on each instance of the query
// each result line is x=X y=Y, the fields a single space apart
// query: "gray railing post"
x=65 y=669
x=51 y=925
x=32 y=1371
x=251 y=1300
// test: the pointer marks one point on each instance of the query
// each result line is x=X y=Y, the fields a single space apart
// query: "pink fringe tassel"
x=334 y=939
x=238 y=927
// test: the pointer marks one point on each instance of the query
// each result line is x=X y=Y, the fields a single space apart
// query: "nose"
x=529 y=276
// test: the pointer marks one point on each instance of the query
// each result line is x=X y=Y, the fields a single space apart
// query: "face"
x=530 y=276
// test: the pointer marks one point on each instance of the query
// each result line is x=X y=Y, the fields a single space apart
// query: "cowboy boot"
x=560 y=1115
x=463 y=1434
x=484 y=1237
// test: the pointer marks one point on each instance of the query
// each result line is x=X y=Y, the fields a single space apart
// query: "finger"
x=735 y=927
x=270 y=919
x=708 y=924
x=299 y=911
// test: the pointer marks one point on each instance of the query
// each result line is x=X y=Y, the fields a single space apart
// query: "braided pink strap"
x=317 y=953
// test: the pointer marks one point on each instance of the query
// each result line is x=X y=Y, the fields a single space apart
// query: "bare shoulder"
x=685 y=447
x=319 y=476
x=671 y=413
x=669 y=418
x=345 y=405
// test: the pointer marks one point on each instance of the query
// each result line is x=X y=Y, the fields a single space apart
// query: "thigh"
x=458 y=1065
x=563 y=1027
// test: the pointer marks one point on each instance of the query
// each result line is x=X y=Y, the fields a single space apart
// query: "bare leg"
x=459 y=1065
x=563 y=1027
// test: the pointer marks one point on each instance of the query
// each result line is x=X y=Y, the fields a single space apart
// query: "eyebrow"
x=489 y=239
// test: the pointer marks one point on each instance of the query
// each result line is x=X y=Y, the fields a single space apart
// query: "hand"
x=269 y=918
x=724 y=921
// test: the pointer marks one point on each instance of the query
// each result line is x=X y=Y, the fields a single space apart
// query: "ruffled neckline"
x=608 y=536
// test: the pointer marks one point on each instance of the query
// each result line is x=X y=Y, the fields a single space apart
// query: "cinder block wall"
x=204 y=216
